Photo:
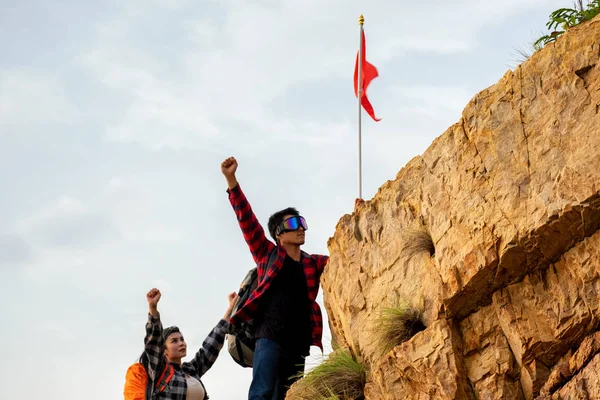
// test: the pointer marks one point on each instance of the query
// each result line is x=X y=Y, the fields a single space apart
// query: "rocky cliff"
x=510 y=291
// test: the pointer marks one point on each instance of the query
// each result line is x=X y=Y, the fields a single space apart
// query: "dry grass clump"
x=417 y=240
x=396 y=325
x=339 y=377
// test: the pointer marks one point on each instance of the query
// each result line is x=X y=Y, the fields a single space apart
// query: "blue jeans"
x=273 y=372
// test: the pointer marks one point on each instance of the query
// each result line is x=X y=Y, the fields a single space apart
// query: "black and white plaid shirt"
x=203 y=360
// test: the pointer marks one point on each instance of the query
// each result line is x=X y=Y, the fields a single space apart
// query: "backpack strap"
x=165 y=377
x=272 y=258
x=152 y=391
x=238 y=345
x=204 y=388
x=149 y=389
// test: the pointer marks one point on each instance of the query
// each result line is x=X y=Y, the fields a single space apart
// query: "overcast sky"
x=115 y=116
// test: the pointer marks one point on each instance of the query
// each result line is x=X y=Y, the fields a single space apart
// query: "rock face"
x=510 y=196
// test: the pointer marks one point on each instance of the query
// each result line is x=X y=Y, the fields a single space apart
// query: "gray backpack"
x=240 y=338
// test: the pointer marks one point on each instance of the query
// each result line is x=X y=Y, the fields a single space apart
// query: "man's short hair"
x=276 y=219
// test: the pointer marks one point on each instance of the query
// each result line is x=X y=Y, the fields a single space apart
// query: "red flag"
x=369 y=72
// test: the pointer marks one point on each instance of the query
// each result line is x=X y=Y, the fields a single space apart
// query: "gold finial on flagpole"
x=361 y=20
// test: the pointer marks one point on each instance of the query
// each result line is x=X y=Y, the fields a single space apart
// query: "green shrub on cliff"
x=566 y=18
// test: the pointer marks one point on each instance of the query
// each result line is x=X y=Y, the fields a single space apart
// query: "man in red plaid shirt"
x=286 y=315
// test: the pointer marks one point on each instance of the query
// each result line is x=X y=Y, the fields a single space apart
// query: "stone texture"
x=510 y=196
x=571 y=364
x=558 y=377
x=550 y=312
x=583 y=386
x=489 y=362
x=426 y=367
x=366 y=290
x=588 y=348
x=511 y=187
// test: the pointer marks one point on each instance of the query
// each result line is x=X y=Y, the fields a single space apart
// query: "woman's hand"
x=153 y=296
x=231 y=297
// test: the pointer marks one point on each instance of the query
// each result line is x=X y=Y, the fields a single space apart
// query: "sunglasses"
x=292 y=224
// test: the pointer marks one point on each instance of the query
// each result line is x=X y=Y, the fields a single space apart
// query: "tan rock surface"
x=426 y=367
x=489 y=362
x=570 y=365
x=511 y=187
x=583 y=386
x=550 y=312
x=588 y=349
x=510 y=196
x=558 y=377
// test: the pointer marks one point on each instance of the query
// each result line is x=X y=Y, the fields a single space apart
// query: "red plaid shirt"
x=261 y=248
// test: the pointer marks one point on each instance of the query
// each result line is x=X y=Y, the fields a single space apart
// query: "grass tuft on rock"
x=396 y=325
x=418 y=240
x=339 y=377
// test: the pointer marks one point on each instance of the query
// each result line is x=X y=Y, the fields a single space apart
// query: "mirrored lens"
x=291 y=224
x=303 y=223
x=294 y=223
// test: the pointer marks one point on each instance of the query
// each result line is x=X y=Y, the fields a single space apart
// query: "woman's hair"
x=168 y=331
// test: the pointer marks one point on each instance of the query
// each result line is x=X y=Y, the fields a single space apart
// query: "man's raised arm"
x=253 y=232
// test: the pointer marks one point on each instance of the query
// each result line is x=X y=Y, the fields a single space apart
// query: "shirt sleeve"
x=253 y=232
x=208 y=353
x=153 y=345
x=321 y=261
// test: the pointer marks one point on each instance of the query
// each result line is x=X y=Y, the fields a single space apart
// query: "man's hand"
x=228 y=168
x=153 y=296
x=231 y=297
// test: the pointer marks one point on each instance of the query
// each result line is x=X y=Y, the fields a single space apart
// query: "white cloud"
x=163 y=285
x=29 y=97
x=436 y=98
x=136 y=210
x=58 y=329
x=118 y=69
x=168 y=123
x=66 y=223
x=65 y=206
x=235 y=69
x=13 y=249
x=68 y=236
x=51 y=263
x=234 y=65
x=201 y=30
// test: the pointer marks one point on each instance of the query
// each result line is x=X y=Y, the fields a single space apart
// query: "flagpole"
x=361 y=21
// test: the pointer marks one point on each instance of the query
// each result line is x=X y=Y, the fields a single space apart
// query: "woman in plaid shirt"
x=164 y=350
